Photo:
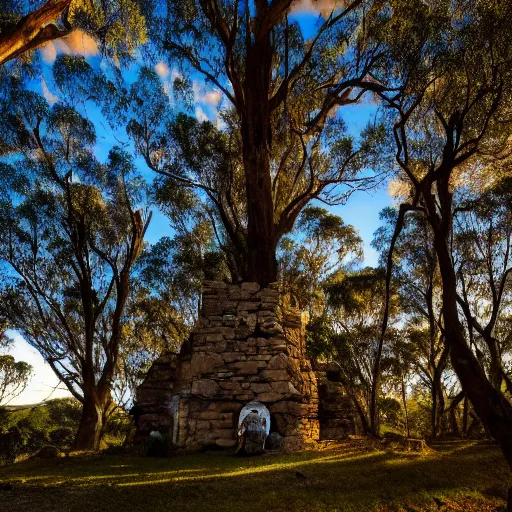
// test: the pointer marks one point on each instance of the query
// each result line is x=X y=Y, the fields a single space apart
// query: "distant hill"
x=12 y=408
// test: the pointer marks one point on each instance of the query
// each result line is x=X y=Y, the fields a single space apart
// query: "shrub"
x=62 y=436
x=11 y=445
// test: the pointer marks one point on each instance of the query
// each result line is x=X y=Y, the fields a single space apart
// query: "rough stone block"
x=248 y=306
x=247 y=367
x=250 y=287
x=226 y=443
x=293 y=443
x=202 y=363
x=269 y=397
x=242 y=332
x=231 y=357
x=205 y=388
x=282 y=386
x=224 y=365
x=222 y=424
x=271 y=375
x=224 y=433
x=245 y=397
x=260 y=387
x=229 y=320
x=278 y=362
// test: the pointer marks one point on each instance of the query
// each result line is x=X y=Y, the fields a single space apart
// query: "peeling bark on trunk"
x=33 y=30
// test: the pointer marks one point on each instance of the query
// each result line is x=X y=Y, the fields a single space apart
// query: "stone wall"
x=338 y=418
x=154 y=396
x=245 y=347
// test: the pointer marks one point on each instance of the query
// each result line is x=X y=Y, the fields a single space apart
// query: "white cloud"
x=43 y=379
x=324 y=7
x=204 y=95
x=49 y=53
x=49 y=96
x=77 y=43
x=200 y=114
x=220 y=124
x=162 y=70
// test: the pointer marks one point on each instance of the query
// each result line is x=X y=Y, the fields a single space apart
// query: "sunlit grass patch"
x=344 y=478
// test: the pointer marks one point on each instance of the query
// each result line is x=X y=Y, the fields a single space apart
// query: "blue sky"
x=362 y=209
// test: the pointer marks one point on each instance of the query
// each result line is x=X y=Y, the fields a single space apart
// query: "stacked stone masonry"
x=245 y=347
x=335 y=411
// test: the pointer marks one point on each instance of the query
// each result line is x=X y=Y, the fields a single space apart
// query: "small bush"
x=11 y=445
x=62 y=436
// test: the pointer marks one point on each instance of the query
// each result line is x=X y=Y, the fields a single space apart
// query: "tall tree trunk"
x=89 y=432
x=465 y=413
x=489 y=403
x=495 y=368
x=438 y=401
x=375 y=389
x=440 y=408
x=367 y=431
x=256 y=138
x=433 y=412
x=406 y=415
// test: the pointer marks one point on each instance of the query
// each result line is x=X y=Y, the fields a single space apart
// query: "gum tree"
x=482 y=241
x=281 y=91
x=451 y=62
x=69 y=239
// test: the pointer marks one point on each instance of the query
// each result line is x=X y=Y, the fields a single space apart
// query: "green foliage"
x=307 y=149
x=14 y=377
x=420 y=415
x=24 y=431
x=70 y=236
x=321 y=247
x=11 y=445
x=119 y=25
x=390 y=411
x=349 y=334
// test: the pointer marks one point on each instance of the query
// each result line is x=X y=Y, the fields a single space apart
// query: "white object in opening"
x=259 y=409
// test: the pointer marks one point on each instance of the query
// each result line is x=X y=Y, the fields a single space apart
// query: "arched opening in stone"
x=256 y=408
x=253 y=428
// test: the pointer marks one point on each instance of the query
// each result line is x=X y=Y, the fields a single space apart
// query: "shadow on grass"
x=344 y=479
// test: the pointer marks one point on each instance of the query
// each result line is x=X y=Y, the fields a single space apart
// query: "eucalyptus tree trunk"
x=406 y=414
x=33 y=30
x=489 y=403
x=91 y=425
x=256 y=139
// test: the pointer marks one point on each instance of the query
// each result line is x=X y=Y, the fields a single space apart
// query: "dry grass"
x=352 y=477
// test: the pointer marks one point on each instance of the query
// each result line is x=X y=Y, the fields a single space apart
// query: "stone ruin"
x=246 y=347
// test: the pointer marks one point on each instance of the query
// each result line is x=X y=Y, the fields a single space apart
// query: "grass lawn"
x=346 y=477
